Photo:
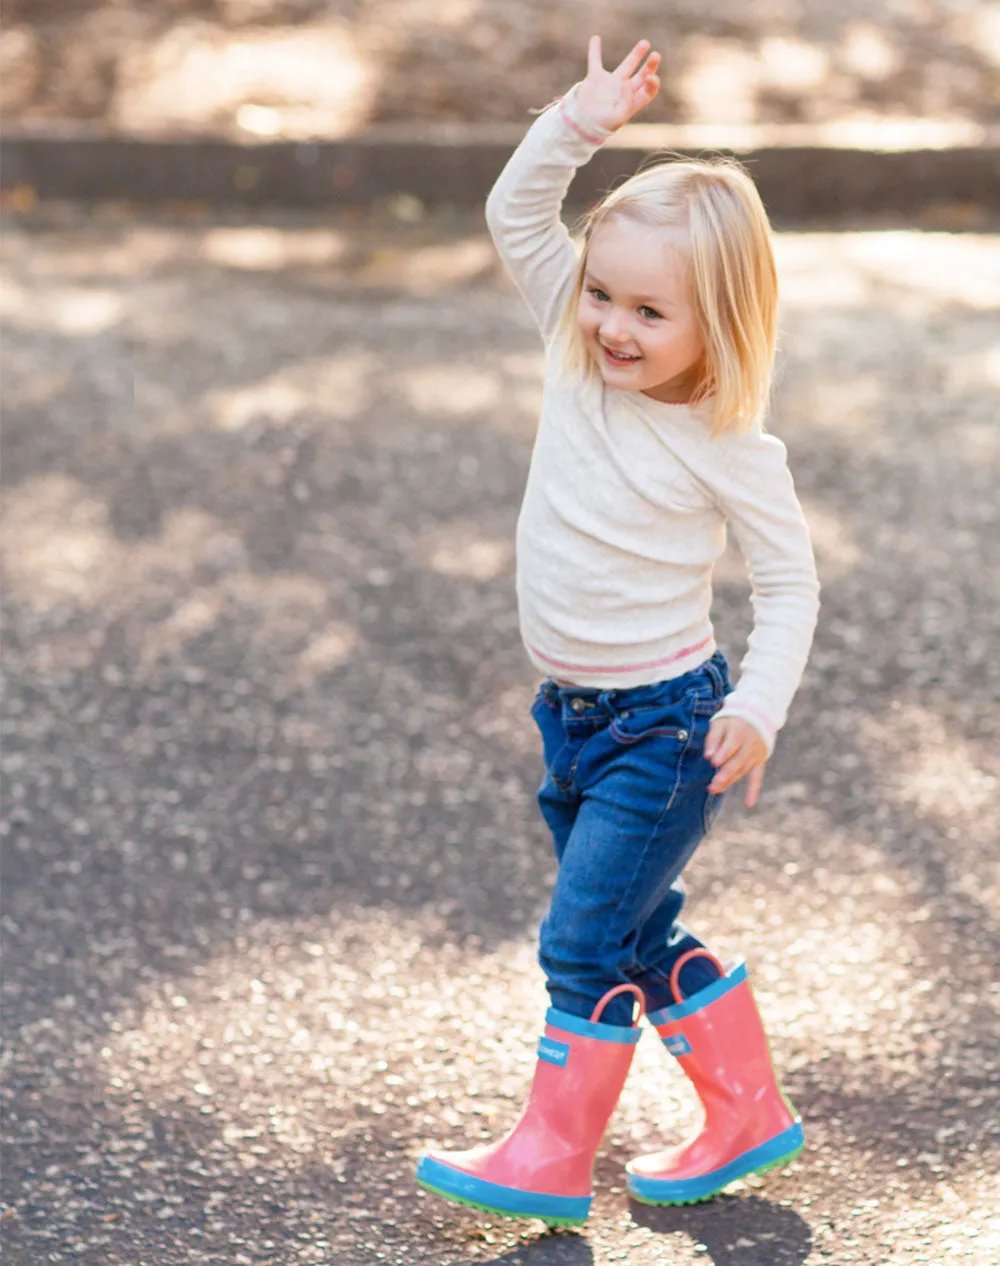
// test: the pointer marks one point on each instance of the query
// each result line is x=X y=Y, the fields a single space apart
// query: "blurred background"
x=273 y=868
x=330 y=68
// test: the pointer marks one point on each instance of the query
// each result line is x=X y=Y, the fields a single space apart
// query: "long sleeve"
x=757 y=496
x=523 y=209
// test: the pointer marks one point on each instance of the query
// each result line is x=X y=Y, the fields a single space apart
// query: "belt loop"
x=715 y=672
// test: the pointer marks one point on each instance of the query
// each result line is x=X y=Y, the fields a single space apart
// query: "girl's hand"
x=735 y=748
x=611 y=97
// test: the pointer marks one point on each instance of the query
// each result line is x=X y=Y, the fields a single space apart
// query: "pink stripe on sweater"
x=619 y=668
x=585 y=136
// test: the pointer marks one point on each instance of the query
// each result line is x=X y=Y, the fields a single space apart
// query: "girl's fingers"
x=740 y=764
x=594 y=63
x=726 y=776
x=734 y=766
x=643 y=88
x=648 y=91
x=631 y=63
x=755 y=780
x=719 y=747
x=728 y=771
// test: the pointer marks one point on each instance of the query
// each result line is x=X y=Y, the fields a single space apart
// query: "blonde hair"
x=734 y=282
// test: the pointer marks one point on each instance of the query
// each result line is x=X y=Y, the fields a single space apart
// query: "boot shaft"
x=718 y=1039
x=582 y=1066
x=542 y=1167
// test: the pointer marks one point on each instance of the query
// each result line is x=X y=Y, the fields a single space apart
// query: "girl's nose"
x=614 y=328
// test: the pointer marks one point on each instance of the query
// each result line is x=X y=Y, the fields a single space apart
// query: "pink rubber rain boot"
x=749 y=1126
x=543 y=1167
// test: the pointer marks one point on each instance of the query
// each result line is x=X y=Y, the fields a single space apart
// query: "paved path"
x=273 y=865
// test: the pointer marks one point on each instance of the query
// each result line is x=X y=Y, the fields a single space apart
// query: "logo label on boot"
x=677 y=1044
x=553 y=1052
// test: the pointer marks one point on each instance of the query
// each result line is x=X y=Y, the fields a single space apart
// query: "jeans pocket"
x=662 y=721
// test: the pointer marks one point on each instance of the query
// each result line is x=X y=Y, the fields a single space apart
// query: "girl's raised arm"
x=523 y=209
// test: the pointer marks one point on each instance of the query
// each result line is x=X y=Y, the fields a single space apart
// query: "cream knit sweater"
x=627 y=499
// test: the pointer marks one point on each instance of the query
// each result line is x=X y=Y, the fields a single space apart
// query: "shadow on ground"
x=273 y=868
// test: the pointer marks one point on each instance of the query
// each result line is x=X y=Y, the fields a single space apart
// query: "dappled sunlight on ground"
x=460 y=550
x=316 y=1043
x=59 y=545
x=927 y=768
x=277 y=870
x=850 y=406
x=832 y=542
x=77 y=559
x=306 y=1007
x=429 y=269
x=341 y=381
x=262 y=247
x=450 y=389
x=973 y=1221
x=912 y=273
x=975 y=367
x=62 y=309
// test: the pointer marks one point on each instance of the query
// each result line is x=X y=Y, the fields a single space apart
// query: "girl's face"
x=636 y=312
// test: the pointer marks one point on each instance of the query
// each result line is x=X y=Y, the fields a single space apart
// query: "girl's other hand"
x=611 y=97
x=735 y=748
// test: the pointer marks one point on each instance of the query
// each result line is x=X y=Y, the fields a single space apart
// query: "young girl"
x=660 y=343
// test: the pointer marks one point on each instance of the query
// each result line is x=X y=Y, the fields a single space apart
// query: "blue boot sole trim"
x=777 y=1151
x=511 y=1201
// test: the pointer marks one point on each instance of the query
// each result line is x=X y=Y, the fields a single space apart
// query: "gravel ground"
x=273 y=866
x=331 y=67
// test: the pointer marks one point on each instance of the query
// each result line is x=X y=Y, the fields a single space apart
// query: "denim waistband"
x=713 y=673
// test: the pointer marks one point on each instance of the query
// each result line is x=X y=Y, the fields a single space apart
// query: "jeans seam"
x=579 y=752
x=652 y=836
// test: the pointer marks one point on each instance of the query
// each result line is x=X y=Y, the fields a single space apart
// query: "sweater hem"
x=638 y=673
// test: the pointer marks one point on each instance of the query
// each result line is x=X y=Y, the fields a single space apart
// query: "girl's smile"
x=619 y=359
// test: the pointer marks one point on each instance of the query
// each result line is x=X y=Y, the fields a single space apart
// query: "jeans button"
x=682 y=735
x=578 y=705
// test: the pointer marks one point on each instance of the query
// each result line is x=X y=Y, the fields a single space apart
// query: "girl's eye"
x=648 y=313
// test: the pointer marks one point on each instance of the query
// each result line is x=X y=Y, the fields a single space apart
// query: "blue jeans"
x=626 y=798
